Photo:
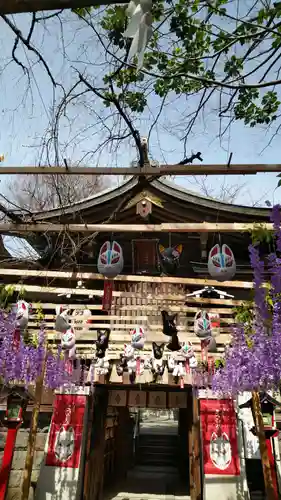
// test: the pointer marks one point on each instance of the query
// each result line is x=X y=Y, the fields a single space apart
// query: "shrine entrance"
x=143 y=452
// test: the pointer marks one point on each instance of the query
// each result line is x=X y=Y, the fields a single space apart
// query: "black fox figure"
x=169 y=327
x=158 y=364
x=169 y=258
x=174 y=344
x=102 y=342
x=158 y=350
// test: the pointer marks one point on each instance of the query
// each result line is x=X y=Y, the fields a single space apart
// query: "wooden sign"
x=157 y=399
x=117 y=398
x=177 y=400
x=137 y=399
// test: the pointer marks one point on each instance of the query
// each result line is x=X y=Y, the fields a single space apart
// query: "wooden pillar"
x=268 y=482
x=87 y=470
x=194 y=452
x=94 y=484
x=30 y=452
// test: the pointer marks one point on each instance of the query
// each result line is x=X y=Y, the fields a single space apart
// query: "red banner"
x=65 y=437
x=219 y=434
x=107 y=295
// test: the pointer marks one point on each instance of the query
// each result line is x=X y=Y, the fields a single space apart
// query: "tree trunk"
x=32 y=434
x=269 y=488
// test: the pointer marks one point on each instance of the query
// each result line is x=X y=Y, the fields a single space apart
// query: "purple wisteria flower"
x=254 y=362
x=23 y=363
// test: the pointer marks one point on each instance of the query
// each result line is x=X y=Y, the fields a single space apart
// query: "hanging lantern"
x=16 y=406
x=221 y=263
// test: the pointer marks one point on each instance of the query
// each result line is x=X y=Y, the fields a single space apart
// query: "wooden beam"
x=151 y=279
x=126 y=278
x=192 y=169
x=124 y=307
x=19 y=6
x=172 y=227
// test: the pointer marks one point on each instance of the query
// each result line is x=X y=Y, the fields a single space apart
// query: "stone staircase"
x=157 y=450
x=155 y=474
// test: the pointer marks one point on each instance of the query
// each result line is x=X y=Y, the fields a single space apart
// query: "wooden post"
x=88 y=446
x=94 y=487
x=268 y=483
x=32 y=434
x=194 y=453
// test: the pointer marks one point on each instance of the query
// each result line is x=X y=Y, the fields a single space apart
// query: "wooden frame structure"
x=176 y=227
x=190 y=169
x=17 y=7
x=123 y=278
x=137 y=300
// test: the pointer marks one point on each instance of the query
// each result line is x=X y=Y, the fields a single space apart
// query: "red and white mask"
x=221 y=263
x=202 y=325
x=22 y=314
x=110 y=261
x=138 y=337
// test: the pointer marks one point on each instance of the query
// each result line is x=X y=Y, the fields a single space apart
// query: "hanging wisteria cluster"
x=253 y=361
x=23 y=363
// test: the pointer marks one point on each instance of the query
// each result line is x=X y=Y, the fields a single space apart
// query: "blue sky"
x=25 y=117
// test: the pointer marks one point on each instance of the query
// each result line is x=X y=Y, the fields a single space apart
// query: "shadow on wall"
x=225 y=487
x=55 y=483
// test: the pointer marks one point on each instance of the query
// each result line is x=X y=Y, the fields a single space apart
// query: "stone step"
x=149 y=496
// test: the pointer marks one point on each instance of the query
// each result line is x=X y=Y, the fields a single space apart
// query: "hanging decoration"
x=68 y=344
x=221 y=263
x=81 y=318
x=62 y=316
x=157 y=362
x=188 y=352
x=131 y=362
x=219 y=430
x=170 y=328
x=110 y=260
x=139 y=28
x=65 y=437
x=110 y=264
x=180 y=363
x=138 y=337
x=203 y=330
x=169 y=258
x=22 y=311
x=102 y=342
x=101 y=363
x=202 y=325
